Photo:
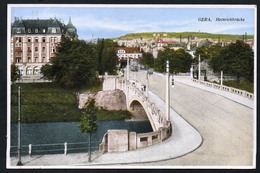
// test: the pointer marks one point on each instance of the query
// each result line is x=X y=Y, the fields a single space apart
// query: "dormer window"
x=29 y=31
x=53 y=30
x=18 y=30
x=43 y=30
x=36 y=30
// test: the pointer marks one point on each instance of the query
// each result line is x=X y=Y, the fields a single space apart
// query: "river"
x=49 y=138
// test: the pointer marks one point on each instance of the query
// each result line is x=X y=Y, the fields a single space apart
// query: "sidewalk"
x=184 y=140
x=232 y=96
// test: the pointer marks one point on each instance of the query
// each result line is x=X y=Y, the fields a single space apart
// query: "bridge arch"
x=134 y=100
x=137 y=110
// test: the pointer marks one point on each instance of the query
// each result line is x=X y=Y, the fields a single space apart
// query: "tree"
x=179 y=60
x=206 y=52
x=235 y=59
x=106 y=56
x=147 y=60
x=15 y=73
x=88 y=122
x=74 y=65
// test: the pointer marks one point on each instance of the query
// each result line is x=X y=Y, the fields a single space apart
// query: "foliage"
x=106 y=56
x=88 y=120
x=48 y=102
x=235 y=59
x=14 y=73
x=103 y=114
x=206 y=52
x=243 y=85
x=147 y=60
x=179 y=60
x=74 y=64
x=44 y=102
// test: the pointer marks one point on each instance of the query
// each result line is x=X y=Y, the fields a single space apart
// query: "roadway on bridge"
x=227 y=127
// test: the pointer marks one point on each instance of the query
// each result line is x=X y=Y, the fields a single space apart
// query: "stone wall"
x=110 y=99
x=123 y=140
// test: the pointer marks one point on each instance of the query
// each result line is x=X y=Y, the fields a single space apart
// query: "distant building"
x=34 y=43
x=128 y=52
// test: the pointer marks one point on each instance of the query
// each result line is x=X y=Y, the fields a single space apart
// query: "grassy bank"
x=47 y=102
x=243 y=85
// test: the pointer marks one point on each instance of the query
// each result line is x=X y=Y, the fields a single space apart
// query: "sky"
x=111 y=21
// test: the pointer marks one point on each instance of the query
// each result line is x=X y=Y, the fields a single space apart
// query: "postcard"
x=131 y=86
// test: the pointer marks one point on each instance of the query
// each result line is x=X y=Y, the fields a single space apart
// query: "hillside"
x=185 y=35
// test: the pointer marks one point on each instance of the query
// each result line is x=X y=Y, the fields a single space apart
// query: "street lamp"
x=19 y=163
x=147 y=83
x=199 y=69
x=167 y=99
x=127 y=76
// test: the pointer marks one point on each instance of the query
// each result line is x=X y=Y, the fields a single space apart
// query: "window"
x=29 y=39
x=36 y=30
x=36 y=39
x=18 y=30
x=36 y=49
x=43 y=30
x=53 y=30
x=29 y=30
x=36 y=59
x=29 y=59
x=53 y=50
x=18 y=39
x=29 y=49
x=18 y=59
x=43 y=49
x=43 y=59
x=43 y=39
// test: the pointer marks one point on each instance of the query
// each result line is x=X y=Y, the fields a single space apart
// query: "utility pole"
x=199 y=69
x=19 y=163
x=147 y=84
x=127 y=76
x=221 y=78
x=167 y=99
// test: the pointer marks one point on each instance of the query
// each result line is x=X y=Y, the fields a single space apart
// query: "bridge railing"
x=54 y=148
x=226 y=88
x=151 y=107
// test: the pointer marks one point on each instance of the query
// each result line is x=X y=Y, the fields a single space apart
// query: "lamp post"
x=127 y=76
x=199 y=69
x=167 y=99
x=19 y=163
x=221 y=78
x=147 y=84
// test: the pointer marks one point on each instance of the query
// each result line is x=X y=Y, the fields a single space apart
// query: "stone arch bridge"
x=112 y=140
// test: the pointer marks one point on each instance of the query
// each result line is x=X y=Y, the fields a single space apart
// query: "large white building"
x=34 y=43
x=123 y=53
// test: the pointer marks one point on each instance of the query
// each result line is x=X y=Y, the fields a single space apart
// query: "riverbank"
x=47 y=102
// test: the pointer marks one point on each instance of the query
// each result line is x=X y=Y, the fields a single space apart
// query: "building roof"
x=41 y=23
x=40 y=26
x=70 y=25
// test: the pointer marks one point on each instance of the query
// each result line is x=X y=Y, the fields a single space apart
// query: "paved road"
x=227 y=127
